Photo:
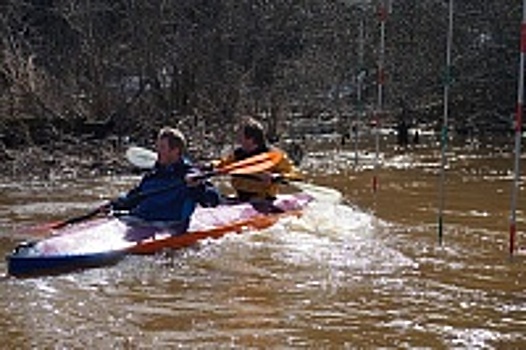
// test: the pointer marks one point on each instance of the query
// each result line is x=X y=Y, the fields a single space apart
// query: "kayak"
x=105 y=241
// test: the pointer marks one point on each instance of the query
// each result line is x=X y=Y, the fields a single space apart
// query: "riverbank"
x=61 y=159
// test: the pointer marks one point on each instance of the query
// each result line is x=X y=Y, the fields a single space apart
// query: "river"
x=363 y=272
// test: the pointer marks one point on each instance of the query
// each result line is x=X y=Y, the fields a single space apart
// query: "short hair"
x=254 y=130
x=174 y=136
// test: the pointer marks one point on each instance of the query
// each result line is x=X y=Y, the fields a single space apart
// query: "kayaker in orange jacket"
x=264 y=185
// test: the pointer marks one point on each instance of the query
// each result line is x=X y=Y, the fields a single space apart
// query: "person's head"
x=171 y=145
x=251 y=134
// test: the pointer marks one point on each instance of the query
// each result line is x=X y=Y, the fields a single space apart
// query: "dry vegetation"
x=74 y=74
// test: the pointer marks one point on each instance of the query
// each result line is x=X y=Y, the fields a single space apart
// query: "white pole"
x=518 y=133
x=381 y=79
x=360 y=77
x=444 y=132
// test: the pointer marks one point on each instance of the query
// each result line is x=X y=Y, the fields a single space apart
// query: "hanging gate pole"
x=518 y=134
x=381 y=80
x=444 y=131
x=360 y=77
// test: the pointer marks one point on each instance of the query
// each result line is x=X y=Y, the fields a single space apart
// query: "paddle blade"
x=254 y=164
x=141 y=157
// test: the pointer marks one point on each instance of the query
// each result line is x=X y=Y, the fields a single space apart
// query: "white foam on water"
x=337 y=160
x=326 y=234
x=331 y=235
x=320 y=193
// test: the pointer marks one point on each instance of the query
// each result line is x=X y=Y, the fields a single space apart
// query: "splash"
x=319 y=193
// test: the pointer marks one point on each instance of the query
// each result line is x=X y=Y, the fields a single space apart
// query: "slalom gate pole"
x=360 y=78
x=518 y=134
x=445 y=127
x=382 y=13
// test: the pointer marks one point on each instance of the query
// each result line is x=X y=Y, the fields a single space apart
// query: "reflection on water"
x=362 y=272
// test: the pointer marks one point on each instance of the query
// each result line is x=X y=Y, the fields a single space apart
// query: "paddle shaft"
x=254 y=164
x=102 y=208
x=76 y=219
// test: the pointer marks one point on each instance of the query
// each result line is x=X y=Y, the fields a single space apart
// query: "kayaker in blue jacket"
x=170 y=191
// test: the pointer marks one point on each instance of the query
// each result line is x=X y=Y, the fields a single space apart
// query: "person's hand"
x=266 y=177
x=106 y=208
x=269 y=178
x=277 y=178
x=207 y=167
x=193 y=180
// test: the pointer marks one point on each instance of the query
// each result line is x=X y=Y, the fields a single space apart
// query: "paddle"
x=140 y=157
x=144 y=158
x=59 y=224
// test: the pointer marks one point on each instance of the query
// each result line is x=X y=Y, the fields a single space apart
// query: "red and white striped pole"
x=518 y=133
x=382 y=13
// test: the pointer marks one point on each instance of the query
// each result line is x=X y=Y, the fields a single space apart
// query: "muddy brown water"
x=366 y=272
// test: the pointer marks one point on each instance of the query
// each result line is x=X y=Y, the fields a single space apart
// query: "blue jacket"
x=162 y=195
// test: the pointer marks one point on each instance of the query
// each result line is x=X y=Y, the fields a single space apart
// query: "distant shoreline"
x=95 y=158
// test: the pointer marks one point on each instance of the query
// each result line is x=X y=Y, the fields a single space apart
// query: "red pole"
x=518 y=133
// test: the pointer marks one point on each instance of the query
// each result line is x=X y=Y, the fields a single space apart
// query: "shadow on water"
x=366 y=271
